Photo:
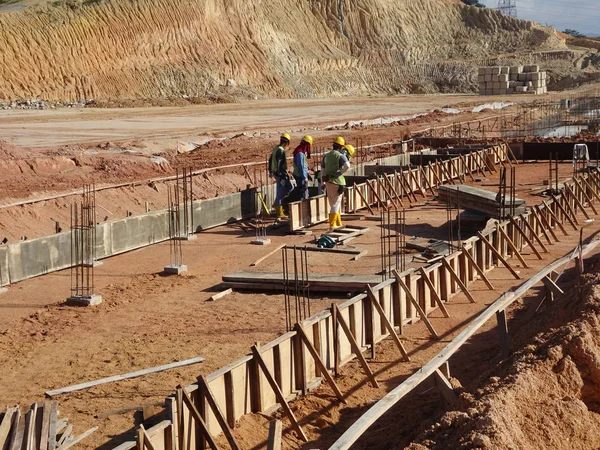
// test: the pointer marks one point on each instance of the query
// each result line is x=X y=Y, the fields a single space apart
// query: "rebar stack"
x=175 y=248
x=83 y=247
x=296 y=286
x=392 y=242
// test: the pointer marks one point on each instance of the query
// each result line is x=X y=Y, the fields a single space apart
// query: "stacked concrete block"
x=501 y=80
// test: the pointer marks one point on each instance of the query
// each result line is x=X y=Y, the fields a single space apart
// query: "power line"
x=508 y=7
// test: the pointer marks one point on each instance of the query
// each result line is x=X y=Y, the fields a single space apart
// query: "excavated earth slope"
x=548 y=399
x=118 y=49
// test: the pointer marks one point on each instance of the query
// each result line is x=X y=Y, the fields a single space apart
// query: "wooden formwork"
x=403 y=184
x=242 y=387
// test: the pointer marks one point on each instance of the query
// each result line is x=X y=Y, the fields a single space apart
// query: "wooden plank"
x=467 y=169
x=489 y=245
x=533 y=232
x=555 y=218
x=457 y=280
x=125 y=376
x=214 y=406
x=82 y=436
x=336 y=340
x=570 y=208
x=65 y=435
x=585 y=195
x=262 y=258
x=374 y=191
x=45 y=429
x=504 y=336
x=143 y=439
x=417 y=184
x=393 y=190
x=404 y=182
x=590 y=187
x=426 y=180
x=6 y=426
x=52 y=430
x=343 y=251
x=436 y=297
x=388 y=194
x=444 y=387
x=359 y=427
x=197 y=416
x=512 y=246
x=360 y=194
x=552 y=286
x=274 y=440
x=572 y=220
x=220 y=295
x=278 y=394
x=28 y=435
x=386 y=322
x=356 y=348
x=545 y=222
x=319 y=362
x=16 y=438
x=579 y=204
x=415 y=304
x=524 y=236
x=432 y=169
x=478 y=269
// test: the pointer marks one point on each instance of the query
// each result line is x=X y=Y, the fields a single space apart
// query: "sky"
x=580 y=15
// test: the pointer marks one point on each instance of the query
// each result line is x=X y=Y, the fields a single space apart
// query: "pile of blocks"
x=504 y=80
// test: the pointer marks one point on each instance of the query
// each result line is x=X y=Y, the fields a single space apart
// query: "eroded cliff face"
x=119 y=49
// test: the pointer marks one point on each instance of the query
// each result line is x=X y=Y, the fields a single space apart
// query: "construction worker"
x=301 y=153
x=335 y=164
x=348 y=151
x=278 y=171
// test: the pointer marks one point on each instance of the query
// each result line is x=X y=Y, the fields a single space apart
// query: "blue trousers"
x=284 y=187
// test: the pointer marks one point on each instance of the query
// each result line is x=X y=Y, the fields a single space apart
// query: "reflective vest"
x=332 y=168
x=275 y=159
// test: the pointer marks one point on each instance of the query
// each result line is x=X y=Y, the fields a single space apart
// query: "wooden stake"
x=393 y=189
x=388 y=193
x=383 y=205
x=591 y=188
x=357 y=189
x=533 y=233
x=386 y=323
x=579 y=204
x=525 y=237
x=426 y=180
x=552 y=286
x=336 y=340
x=541 y=225
x=319 y=362
x=278 y=394
x=512 y=246
x=461 y=176
x=478 y=269
x=586 y=196
x=274 y=441
x=404 y=183
x=433 y=170
x=433 y=292
x=489 y=245
x=143 y=439
x=227 y=431
x=415 y=304
x=356 y=348
x=467 y=169
x=444 y=387
x=448 y=174
x=417 y=184
x=196 y=414
x=546 y=222
x=565 y=212
x=555 y=218
x=457 y=279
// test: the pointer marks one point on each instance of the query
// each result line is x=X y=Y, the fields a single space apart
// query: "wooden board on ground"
x=317 y=281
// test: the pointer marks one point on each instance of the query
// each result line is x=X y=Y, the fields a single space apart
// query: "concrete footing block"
x=85 y=300
x=175 y=269
x=261 y=241
x=189 y=237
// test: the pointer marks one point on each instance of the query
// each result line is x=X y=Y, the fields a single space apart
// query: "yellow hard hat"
x=350 y=149
x=308 y=139
x=339 y=140
x=286 y=136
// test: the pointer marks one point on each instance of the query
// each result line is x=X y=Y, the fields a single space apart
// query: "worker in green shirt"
x=334 y=165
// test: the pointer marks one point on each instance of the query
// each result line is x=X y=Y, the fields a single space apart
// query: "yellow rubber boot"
x=332 y=220
x=338 y=220
x=280 y=213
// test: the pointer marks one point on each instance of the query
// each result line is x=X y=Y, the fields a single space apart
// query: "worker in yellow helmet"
x=278 y=171
x=301 y=154
x=335 y=164
x=348 y=151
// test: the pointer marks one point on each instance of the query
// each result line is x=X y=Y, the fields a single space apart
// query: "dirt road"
x=53 y=128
